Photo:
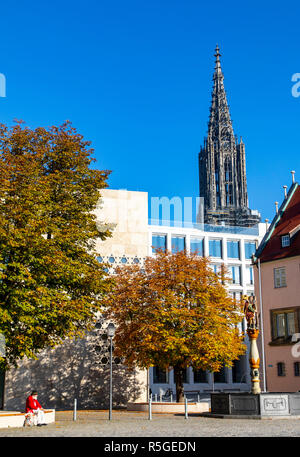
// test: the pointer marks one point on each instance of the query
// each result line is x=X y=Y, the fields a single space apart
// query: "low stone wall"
x=16 y=419
x=167 y=407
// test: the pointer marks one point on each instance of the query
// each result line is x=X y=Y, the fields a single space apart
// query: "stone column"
x=254 y=360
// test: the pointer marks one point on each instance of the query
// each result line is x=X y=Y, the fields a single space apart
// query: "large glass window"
x=215 y=248
x=238 y=373
x=250 y=248
x=200 y=376
x=159 y=242
x=178 y=243
x=196 y=246
x=220 y=376
x=249 y=275
x=233 y=249
x=160 y=376
x=235 y=272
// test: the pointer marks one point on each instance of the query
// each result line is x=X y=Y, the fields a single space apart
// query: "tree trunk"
x=178 y=377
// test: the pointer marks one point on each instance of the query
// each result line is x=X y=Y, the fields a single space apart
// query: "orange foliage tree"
x=174 y=312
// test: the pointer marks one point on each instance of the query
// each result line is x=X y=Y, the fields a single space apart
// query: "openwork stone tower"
x=222 y=165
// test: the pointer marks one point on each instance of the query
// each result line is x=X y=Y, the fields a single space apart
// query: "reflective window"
x=178 y=244
x=159 y=242
x=215 y=248
x=249 y=277
x=160 y=376
x=112 y=259
x=136 y=260
x=233 y=249
x=250 y=248
x=196 y=246
x=235 y=272
x=123 y=260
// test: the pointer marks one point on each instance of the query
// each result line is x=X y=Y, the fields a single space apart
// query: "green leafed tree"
x=50 y=280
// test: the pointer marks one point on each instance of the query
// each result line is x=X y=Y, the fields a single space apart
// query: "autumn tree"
x=174 y=312
x=50 y=280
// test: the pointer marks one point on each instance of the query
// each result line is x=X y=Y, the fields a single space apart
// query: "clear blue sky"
x=135 y=78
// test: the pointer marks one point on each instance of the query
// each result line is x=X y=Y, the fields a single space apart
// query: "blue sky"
x=135 y=78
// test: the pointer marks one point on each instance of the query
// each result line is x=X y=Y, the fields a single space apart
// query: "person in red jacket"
x=34 y=408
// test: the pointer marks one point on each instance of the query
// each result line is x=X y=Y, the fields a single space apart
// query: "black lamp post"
x=110 y=333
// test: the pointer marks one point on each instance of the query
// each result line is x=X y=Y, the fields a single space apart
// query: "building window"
x=285 y=241
x=279 y=277
x=233 y=249
x=235 y=272
x=159 y=242
x=280 y=369
x=220 y=376
x=160 y=376
x=200 y=376
x=297 y=368
x=196 y=246
x=111 y=259
x=216 y=268
x=236 y=295
x=185 y=376
x=250 y=248
x=215 y=248
x=249 y=277
x=178 y=244
x=238 y=371
x=284 y=324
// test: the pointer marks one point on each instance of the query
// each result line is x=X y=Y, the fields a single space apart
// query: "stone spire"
x=222 y=168
x=219 y=125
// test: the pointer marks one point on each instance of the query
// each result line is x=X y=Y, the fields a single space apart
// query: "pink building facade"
x=277 y=288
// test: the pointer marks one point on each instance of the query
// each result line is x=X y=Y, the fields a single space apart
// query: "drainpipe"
x=262 y=327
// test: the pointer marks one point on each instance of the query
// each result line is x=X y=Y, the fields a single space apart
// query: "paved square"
x=132 y=424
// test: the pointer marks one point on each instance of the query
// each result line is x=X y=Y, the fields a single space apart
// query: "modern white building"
x=229 y=246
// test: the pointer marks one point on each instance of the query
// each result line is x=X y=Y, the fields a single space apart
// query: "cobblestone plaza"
x=132 y=424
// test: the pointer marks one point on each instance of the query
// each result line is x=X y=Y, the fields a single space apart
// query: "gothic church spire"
x=222 y=165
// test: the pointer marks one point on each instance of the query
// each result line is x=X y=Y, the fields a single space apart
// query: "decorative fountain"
x=254 y=404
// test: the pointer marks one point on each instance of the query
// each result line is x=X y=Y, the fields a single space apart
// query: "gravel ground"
x=132 y=424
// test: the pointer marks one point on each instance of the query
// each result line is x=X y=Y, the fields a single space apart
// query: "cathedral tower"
x=222 y=165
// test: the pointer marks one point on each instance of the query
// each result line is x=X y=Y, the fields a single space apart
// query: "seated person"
x=33 y=408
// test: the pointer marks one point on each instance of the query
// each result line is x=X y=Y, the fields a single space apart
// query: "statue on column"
x=250 y=311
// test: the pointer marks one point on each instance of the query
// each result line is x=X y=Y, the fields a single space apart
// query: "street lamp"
x=110 y=333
